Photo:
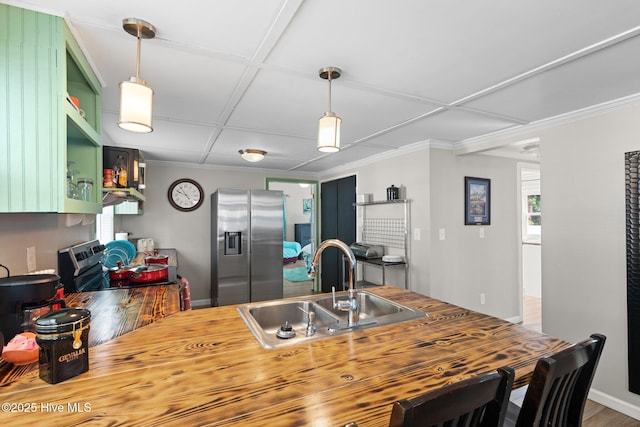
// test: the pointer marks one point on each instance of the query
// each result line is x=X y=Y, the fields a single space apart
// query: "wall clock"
x=185 y=194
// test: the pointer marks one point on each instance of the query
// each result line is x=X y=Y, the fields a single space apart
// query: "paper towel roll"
x=122 y=236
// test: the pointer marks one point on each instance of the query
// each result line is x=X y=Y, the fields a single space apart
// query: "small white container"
x=363 y=198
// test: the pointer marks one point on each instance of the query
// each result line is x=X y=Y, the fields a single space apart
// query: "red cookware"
x=157 y=259
x=119 y=272
x=148 y=273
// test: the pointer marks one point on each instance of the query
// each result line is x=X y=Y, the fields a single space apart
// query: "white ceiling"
x=237 y=74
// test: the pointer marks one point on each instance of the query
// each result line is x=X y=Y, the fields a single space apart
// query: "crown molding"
x=491 y=140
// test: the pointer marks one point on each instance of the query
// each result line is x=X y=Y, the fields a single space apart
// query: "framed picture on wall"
x=477 y=201
x=306 y=206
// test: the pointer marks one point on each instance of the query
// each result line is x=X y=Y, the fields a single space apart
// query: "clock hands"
x=180 y=190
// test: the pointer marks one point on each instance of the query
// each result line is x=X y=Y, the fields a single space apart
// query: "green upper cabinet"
x=42 y=134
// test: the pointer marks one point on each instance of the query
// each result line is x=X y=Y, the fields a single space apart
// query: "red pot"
x=157 y=259
x=149 y=273
x=119 y=272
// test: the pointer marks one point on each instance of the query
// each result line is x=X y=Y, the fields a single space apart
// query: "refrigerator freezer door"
x=230 y=226
x=266 y=244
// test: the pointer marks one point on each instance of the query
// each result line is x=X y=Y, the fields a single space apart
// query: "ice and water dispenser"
x=232 y=245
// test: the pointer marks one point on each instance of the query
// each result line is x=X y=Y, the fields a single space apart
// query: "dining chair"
x=478 y=401
x=559 y=386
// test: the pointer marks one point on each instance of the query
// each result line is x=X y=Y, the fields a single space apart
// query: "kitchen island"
x=205 y=367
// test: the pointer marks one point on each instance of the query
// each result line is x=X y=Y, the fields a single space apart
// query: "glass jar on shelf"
x=72 y=189
x=85 y=189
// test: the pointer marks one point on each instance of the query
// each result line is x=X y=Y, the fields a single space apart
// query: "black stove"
x=81 y=270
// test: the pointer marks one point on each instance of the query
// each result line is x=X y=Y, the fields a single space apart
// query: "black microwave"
x=134 y=161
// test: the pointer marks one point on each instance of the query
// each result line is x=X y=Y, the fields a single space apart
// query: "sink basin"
x=266 y=319
x=371 y=306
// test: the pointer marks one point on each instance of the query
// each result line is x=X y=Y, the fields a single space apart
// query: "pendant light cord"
x=138 y=54
x=329 y=78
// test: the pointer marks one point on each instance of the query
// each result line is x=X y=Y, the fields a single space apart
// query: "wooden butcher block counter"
x=205 y=367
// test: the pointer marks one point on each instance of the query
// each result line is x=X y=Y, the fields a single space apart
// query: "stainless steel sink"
x=266 y=319
x=371 y=306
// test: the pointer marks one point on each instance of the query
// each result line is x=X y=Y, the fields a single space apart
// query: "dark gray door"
x=338 y=220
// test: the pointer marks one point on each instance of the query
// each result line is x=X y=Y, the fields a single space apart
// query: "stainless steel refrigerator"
x=246 y=246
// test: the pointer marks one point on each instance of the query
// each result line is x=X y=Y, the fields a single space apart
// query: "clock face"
x=185 y=195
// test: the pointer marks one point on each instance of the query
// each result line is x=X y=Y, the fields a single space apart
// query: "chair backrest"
x=478 y=401
x=560 y=384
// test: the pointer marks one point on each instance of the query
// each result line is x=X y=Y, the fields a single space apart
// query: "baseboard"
x=615 y=404
x=516 y=319
x=201 y=303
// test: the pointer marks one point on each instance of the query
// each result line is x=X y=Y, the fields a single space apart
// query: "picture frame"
x=477 y=201
x=306 y=206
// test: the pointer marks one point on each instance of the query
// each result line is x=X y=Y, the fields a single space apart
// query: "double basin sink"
x=285 y=322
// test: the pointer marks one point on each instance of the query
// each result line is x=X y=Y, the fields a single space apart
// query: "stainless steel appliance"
x=246 y=246
x=81 y=270
x=365 y=250
x=134 y=162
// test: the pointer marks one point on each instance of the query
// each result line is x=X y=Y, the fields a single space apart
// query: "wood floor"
x=595 y=415
x=296 y=289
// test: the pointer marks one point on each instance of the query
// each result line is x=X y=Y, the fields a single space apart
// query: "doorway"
x=531 y=245
x=299 y=233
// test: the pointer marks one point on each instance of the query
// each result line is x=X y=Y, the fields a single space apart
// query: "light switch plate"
x=441 y=234
x=482 y=232
x=416 y=234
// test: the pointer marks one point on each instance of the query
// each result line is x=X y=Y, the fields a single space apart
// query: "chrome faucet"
x=350 y=305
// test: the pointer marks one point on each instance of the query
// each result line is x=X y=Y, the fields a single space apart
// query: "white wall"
x=532 y=270
x=464 y=265
x=410 y=172
x=583 y=255
x=46 y=232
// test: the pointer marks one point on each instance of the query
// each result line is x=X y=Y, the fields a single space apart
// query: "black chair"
x=558 y=389
x=479 y=401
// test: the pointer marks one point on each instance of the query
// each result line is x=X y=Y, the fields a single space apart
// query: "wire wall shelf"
x=389 y=232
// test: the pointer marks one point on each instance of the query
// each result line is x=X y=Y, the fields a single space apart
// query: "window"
x=534 y=214
x=104 y=225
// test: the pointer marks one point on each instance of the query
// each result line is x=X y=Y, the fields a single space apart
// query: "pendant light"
x=329 y=124
x=252 y=155
x=136 y=96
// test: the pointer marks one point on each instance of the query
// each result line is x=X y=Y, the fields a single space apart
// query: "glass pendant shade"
x=251 y=155
x=329 y=133
x=136 y=106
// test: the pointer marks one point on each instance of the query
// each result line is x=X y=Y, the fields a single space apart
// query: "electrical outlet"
x=31 y=258
x=482 y=300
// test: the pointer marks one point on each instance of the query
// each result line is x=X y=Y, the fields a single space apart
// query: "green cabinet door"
x=40 y=131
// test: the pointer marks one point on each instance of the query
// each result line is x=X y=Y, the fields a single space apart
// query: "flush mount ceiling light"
x=329 y=125
x=136 y=96
x=252 y=155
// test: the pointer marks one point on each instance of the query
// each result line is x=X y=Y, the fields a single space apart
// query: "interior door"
x=338 y=219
